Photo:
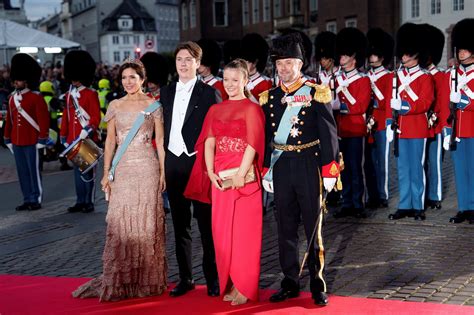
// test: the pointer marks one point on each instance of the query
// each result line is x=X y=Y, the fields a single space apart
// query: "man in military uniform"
x=459 y=134
x=26 y=128
x=412 y=97
x=255 y=53
x=81 y=118
x=210 y=63
x=380 y=51
x=353 y=90
x=301 y=148
x=325 y=56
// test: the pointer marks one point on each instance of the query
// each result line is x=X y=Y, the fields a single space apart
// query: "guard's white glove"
x=446 y=142
x=84 y=134
x=40 y=146
x=389 y=133
x=268 y=186
x=329 y=183
x=10 y=147
x=396 y=103
x=455 y=97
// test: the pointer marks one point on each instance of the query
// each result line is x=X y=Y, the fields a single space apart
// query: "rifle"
x=452 y=119
x=395 y=113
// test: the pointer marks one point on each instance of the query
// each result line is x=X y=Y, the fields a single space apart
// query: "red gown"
x=236 y=214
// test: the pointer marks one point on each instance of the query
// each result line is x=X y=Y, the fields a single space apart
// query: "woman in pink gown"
x=233 y=137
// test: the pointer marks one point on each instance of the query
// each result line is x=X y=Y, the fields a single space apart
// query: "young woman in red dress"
x=233 y=137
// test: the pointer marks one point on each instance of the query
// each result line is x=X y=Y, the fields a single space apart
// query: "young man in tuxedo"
x=185 y=105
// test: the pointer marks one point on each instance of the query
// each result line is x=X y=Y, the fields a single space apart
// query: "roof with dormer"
x=142 y=20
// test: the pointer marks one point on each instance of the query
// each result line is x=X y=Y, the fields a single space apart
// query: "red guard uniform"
x=258 y=83
x=216 y=83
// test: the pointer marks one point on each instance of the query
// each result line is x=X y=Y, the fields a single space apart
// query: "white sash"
x=463 y=80
x=405 y=84
x=81 y=113
x=344 y=83
x=17 y=98
x=374 y=78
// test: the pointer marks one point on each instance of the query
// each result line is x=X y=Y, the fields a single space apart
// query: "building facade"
x=15 y=14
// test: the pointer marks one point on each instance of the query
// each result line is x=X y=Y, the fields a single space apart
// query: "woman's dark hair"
x=136 y=65
x=240 y=64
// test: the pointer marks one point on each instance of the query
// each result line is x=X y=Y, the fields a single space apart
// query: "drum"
x=84 y=153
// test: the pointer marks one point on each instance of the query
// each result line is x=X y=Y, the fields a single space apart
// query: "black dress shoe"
x=420 y=215
x=458 y=218
x=400 y=214
x=213 y=289
x=433 y=204
x=344 y=212
x=23 y=207
x=76 y=208
x=320 y=298
x=88 y=208
x=383 y=203
x=182 y=288
x=34 y=206
x=284 y=294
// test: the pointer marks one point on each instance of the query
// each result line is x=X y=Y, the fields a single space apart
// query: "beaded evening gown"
x=134 y=262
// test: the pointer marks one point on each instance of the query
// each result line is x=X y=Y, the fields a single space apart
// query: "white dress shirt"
x=176 y=145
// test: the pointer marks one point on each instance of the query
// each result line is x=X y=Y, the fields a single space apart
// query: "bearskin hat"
x=307 y=44
x=461 y=37
x=25 y=68
x=232 y=50
x=325 y=46
x=288 y=46
x=79 y=66
x=211 y=54
x=351 y=41
x=410 y=42
x=156 y=67
x=255 y=49
x=381 y=44
x=434 y=41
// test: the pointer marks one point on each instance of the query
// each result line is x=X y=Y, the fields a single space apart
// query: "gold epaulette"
x=322 y=94
x=311 y=84
x=263 y=97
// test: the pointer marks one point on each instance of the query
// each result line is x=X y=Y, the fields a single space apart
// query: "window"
x=116 y=56
x=245 y=12
x=295 y=7
x=277 y=8
x=313 y=5
x=126 y=54
x=125 y=24
x=435 y=6
x=331 y=27
x=115 y=40
x=193 y=14
x=220 y=12
x=351 y=22
x=255 y=11
x=136 y=40
x=458 y=5
x=184 y=16
x=266 y=10
x=126 y=39
x=415 y=8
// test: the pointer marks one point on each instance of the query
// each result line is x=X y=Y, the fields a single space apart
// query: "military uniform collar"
x=412 y=70
x=377 y=70
x=25 y=90
x=467 y=68
x=254 y=76
x=293 y=87
x=351 y=73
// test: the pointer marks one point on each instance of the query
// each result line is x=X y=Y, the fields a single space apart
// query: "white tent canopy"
x=13 y=35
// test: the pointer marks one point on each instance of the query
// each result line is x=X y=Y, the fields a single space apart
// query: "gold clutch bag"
x=226 y=176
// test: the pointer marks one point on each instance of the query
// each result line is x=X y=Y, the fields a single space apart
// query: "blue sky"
x=36 y=9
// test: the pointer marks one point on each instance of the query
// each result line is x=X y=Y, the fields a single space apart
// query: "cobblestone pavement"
x=403 y=260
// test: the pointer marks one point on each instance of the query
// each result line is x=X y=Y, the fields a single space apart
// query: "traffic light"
x=138 y=52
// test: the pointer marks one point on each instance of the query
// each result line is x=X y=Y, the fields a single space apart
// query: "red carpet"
x=47 y=295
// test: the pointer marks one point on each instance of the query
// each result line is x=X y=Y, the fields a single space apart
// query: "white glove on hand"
x=84 y=134
x=455 y=97
x=40 y=146
x=329 y=183
x=389 y=133
x=446 y=142
x=396 y=103
x=268 y=186
x=10 y=147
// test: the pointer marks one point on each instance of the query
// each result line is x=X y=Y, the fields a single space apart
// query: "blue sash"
x=284 y=129
x=131 y=134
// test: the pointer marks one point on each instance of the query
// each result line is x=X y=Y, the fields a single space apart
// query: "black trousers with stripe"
x=296 y=187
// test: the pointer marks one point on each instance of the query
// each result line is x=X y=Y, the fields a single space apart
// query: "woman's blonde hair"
x=240 y=64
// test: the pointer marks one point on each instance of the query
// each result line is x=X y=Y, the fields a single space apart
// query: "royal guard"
x=437 y=115
x=412 y=96
x=255 y=53
x=328 y=69
x=353 y=90
x=81 y=118
x=380 y=52
x=458 y=136
x=210 y=63
x=301 y=137
x=157 y=73
x=26 y=128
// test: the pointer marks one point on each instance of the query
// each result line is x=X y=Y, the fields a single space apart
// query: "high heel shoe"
x=231 y=295
x=239 y=300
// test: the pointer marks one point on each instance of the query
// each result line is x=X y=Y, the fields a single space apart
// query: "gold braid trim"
x=322 y=94
x=263 y=98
